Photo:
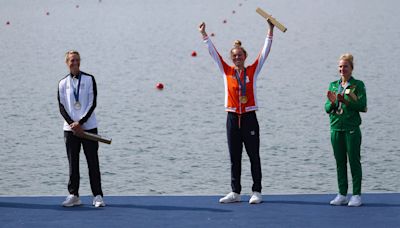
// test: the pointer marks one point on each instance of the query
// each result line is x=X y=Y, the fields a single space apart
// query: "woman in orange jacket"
x=241 y=104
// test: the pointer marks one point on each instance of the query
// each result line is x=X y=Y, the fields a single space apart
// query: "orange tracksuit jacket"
x=232 y=86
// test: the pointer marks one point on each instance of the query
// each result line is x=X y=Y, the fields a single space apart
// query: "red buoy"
x=7 y=23
x=194 y=54
x=212 y=34
x=159 y=86
x=224 y=21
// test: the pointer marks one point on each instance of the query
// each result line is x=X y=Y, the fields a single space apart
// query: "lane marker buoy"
x=159 y=86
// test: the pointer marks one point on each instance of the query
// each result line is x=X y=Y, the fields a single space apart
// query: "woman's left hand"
x=340 y=98
x=271 y=26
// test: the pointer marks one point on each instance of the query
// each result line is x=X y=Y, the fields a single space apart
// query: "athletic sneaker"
x=355 y=201
x=339 y=200
x=255 y=198
x=72 y=200
x=98 y=201
x=230 y=198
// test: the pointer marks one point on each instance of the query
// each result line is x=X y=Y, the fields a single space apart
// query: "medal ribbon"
x=76 y=90
x=242 y=86
x=341 y=91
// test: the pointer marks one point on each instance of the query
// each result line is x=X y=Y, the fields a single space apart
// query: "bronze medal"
x=339 y=111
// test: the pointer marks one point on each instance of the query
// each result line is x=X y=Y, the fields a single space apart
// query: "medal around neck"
x=243 y=99
x=77 y=105
x=242 y=86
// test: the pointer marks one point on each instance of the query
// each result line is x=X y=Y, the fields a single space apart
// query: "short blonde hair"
x=71 y=52
x=238 y=45
x=349 y=58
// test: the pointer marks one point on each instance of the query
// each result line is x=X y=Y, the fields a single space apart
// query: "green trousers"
x=346 y=144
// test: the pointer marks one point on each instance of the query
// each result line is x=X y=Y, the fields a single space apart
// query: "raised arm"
x=212 y=50
x=259 y=62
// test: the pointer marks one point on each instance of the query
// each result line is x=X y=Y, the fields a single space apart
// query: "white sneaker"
x=230 y=198
x=339 y=200
x=98 y=201
x=355 y=201
x=255 y=198
x=71 y=200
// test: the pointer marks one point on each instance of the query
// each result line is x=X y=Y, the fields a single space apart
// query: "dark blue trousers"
x=73 y=145
x=248 y=133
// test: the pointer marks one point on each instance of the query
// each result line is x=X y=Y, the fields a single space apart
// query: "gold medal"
x=243 y=99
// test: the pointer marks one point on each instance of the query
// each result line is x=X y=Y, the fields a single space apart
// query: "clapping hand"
x=331 y=96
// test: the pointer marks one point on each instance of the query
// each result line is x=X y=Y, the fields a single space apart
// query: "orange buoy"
x=159 y=86
x=194 y=54
x=7 y=23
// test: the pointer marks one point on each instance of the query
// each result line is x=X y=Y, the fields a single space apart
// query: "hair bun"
x=237 y=43
x=348 y=57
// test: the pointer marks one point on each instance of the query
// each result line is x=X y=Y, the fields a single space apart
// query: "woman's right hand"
x=202 y=29
x=331 y=96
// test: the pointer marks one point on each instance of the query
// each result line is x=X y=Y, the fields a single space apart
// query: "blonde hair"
x=237 y=44
x=349 y=58
x=71 y=52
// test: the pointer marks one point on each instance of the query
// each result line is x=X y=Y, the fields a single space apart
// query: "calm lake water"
x=174 y=141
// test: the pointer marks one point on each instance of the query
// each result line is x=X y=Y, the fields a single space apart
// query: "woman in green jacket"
x=346 y=98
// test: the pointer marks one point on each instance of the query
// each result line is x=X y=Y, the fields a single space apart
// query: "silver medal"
x=77 y=105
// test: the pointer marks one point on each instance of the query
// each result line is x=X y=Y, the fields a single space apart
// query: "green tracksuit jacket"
x=345 y=132
x=350 y=118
